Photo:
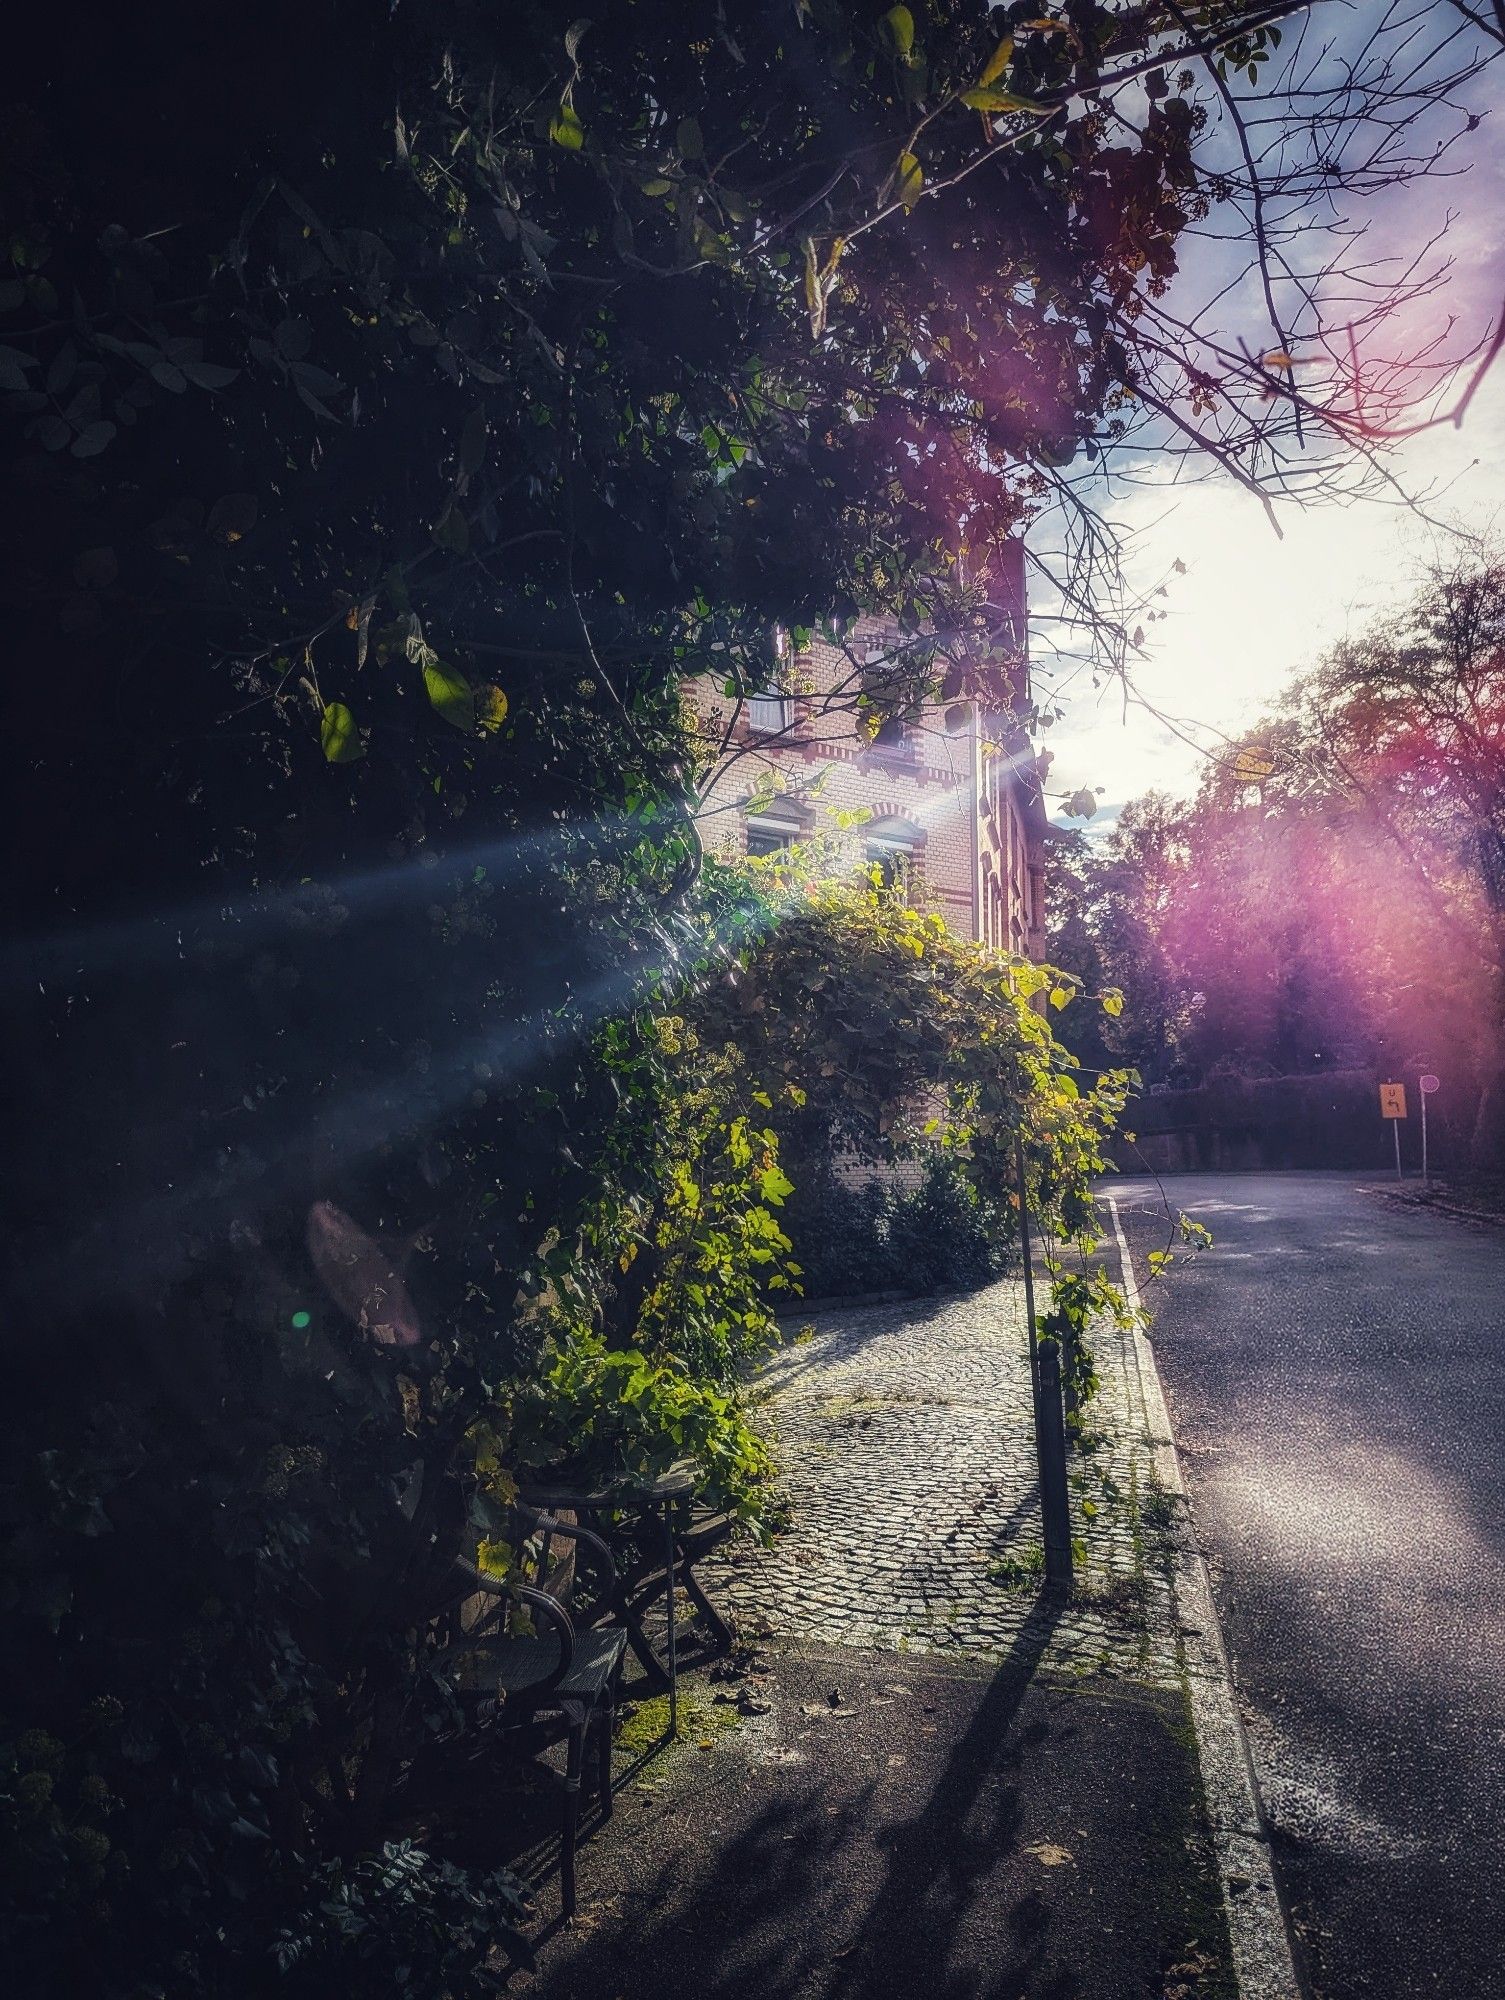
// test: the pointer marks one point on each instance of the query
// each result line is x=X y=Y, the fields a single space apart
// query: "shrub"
x=883 y=1234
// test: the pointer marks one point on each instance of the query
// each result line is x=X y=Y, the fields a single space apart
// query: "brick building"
x=953 y=794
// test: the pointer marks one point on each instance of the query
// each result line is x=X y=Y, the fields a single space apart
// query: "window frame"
x=896 y=856
x=763 y=824
x=763 y=700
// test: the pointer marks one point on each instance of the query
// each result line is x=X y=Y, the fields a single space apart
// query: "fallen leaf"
x=1048 y=1854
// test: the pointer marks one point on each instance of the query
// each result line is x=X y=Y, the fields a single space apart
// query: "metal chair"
x=509 y=1681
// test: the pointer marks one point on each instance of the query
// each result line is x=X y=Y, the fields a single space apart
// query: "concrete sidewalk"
x=922 y=1773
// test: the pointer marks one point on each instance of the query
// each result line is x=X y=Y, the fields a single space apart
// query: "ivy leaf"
x=1060 y=996
x=338 y=736
x=494 y=1559
x=450 y=693
x=566 y=130
x=1113 y=1001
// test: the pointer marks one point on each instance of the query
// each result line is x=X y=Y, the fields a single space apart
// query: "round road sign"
x=1429 y=1084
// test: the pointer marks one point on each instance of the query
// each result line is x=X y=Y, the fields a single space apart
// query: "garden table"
x=650 y=1496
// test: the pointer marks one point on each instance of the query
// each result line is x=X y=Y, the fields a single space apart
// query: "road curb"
x=1259 y=1932
x=1429 y=1205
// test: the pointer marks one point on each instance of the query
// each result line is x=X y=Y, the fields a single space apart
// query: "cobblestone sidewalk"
x=907 y=1453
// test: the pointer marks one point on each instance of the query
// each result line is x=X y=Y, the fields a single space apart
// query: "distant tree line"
x=1334 y=895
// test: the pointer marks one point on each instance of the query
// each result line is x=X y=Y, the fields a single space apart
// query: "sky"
x=1252 y=609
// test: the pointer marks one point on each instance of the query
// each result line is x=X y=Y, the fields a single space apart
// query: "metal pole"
x=1050 y=1422
x=1027 y=1252
x=1398 y=1174
x=669 y=1610
x=1055 y=1504
x=1423 y=1096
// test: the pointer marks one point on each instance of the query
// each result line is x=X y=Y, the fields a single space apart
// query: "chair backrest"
x=558 y=1554
x=481 y=1656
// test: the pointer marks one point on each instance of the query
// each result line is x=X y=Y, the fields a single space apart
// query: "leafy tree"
x=1330 y=898
x=1106 y=905
x=399 y=407
x=895 y=1039
x=1396 y=741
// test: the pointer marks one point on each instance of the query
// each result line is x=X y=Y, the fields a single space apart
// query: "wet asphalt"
x=1335 y=1369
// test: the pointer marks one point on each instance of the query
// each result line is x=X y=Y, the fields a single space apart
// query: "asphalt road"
x=1335 y=1376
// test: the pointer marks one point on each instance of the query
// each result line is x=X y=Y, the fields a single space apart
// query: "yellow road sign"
x=1392 y=1100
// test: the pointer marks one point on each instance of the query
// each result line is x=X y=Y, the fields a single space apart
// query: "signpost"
x=1428 y=1085
x=1393 y=1107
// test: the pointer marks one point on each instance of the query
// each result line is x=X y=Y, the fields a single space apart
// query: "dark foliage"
x=399 y=404
x=887 y=1235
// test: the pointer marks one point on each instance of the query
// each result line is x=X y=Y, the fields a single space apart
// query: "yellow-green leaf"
x=494 y=1559
x=566 y=130
x=1059 y=995
x=911 y=179
x=688 y=139
x=339 y=738
x=814 y=299
x=491 y=707
x=898 y=29
x=657 y=187
x=1113 y=1001
x=450 y=693
x=997 y=62
x=1002 y=100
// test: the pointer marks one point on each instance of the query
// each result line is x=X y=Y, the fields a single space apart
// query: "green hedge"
x=881 y=1235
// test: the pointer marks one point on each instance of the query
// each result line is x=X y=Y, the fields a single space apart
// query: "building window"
x=891 y=848
x=768 y=712
x=769 y=833
x=769 y=709
x=882 y=682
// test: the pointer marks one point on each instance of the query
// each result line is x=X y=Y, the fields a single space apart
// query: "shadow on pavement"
x=904 y=1825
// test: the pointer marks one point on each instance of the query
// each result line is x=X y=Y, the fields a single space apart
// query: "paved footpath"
x=907 y=1446
x=922 y=1772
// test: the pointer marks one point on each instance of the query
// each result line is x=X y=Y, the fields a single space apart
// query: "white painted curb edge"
x=1262 y=1959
